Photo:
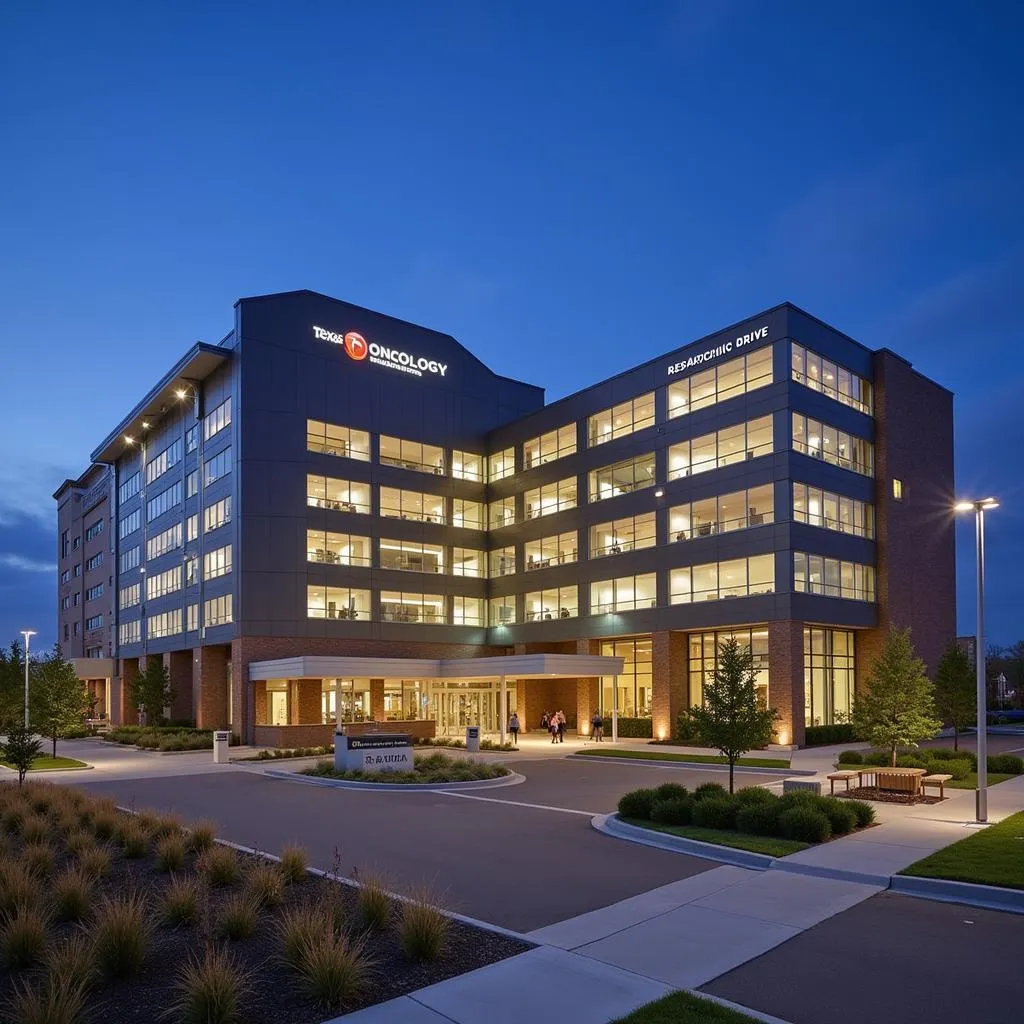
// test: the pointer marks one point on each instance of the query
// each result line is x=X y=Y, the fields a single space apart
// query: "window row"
x=130 y=596
x=719 y=383
x=724 y=447
x=164 y=541
x=161 y=583
x=94 y=562
x=94 y=592
x=94 y=529
x=163 y=502
x=216 y=467
x=214 y=422
x=831 y=511
x=94 y=622
x=723 y=513
x=737 y=577
x=815 y=574
x=830 y=379
x=832 y=445
x=130 y=486
x=129 y=523
x=165 y=460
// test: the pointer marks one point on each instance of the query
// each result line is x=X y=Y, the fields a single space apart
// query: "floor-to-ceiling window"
x=634 y=681
x=828 y=676
x=703 y=648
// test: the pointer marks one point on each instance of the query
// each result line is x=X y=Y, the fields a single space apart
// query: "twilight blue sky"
x=568 y=188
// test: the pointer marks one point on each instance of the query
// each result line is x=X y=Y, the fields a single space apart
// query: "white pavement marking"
x=514 y=803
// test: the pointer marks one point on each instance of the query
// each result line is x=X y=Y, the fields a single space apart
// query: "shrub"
x=104 y=826
x=876 y=758
x=238 y=917
x=95 y=862
x=758 y=819
x=13 y=821
x=805 y=824
x=121 y=935
x=1009 y=764
x=293 y=864
x=210 y=990
x=201 y=836
x=633 y=728
x=334 y=969
x=170 y=853
x=220 y=865
x=959 y=768
x=710 y=790
x=53 y=1000
x=755 y=795
x=715 y=812
x=864 y=811
x=674 y=811
x=910 y=761
x=24 y=939
x=72 y=895
x=35 y=830
x=264 y=884
x=842 y=818
x=946 y=754
x=18 y=889
x=77 y=842
x=373 y=904
x=851 y=757
x=822 y=735
x=38 y=858
x=166 y=825
x=423 y=928
x=299 y=927
x=670 y=791
x=637 y=804
x=181 y=900
x=686 y=729
x=134 y=840
x=72 y=959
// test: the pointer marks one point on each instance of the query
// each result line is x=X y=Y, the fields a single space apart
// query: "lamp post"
x=27 y=633
x=980 y=507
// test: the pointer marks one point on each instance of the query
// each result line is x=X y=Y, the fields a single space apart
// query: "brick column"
x=309 y=702
x=377 y=699
x=786 y=679
x=586 y=703
x=179 y=667
x=260 y=702
x=210 y=686
x=127 y=711
x=669 y=685
x=526 y=713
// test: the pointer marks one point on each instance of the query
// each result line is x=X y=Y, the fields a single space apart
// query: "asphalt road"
x=891 y=958
x=516 y=866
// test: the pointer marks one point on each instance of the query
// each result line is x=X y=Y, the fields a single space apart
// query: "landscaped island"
x=751 y=819
x=143 y=919
x=431 y=769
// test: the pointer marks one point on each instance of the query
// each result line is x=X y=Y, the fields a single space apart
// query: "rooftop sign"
x=711 y=354
x=358 y=349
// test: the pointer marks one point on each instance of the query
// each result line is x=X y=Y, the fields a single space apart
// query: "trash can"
x=221 y=742
x=473 y=739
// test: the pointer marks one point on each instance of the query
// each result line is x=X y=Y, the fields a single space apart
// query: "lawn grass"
x=683 y=1008
x=770 y=845
x=650 y=755
x=993 y=856
x=971 y=781
x=43 y=763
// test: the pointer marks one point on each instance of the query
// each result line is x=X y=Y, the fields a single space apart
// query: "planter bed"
x=276 y=993
x=432 y=769
x=45 y=763
x=650 y=755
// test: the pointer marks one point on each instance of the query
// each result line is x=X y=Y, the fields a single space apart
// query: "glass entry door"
x=454 y=706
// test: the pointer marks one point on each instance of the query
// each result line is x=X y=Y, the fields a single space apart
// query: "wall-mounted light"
x=145 y=424
x=659 y=493
x=128 y=439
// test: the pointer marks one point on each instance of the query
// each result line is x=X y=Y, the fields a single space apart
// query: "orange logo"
x=355 y=345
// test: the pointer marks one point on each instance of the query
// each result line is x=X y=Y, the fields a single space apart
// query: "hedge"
x=633 y=728
x=938 y=760
x=823 y=735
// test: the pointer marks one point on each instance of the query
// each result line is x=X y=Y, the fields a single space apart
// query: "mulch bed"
x=885 y=796
x=276 y=995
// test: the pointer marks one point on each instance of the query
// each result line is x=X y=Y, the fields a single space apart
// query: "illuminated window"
x=625 y=594
x=337 y=603
x=622 y=478
x=217 y=420
x=739 y=510
x=558 y=549
x=830 y=577
x=468 y=515
x=337 y=548
x=621 y=420
x=703 y=659
x=217 y=514
x=501 y=611
x=829 y=671
x=555 y=444
x=160 y=583
x=339 y=495
x=423 y=458
x=554 y=603
x=501 y=464
x=501 y=513
x=468 y=611
x=737 y=577
x=413 y=505
x=164 y=624
x=129 y=523
x=468 y=562
x=163 y=502
x=817 y=507
x=217 y=562
x=159 y=465
x=552 y=497
x=729 y=445
x=332 y=439
x=398 y=606
x=467 y=466
x=820 y=441
x=501 y=562
x=830 y=379
x=897 y=489
x=634 y=681
x=736 y=377
x=217 y=611
x=619 y=535
x=411 y=556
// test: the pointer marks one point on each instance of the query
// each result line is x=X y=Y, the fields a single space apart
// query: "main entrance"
x=454 y=705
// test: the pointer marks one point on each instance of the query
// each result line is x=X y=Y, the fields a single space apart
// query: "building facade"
x=336 y=515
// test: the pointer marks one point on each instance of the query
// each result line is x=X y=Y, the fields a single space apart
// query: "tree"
x=58 y=700
x=21 y=749
x=151 y=690
x=12 y=684
x=732 y=719
x=897 y=707
x=955 y=696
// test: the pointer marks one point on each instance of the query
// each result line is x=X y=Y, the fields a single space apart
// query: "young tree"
x=955 y=696
x=58 y=700
x=12 y=684
x=898 y=705
x=732 y=719
x=151 y=691
x=21 y=749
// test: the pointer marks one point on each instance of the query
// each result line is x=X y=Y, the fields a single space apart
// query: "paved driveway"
x=502 y=858
x=891 y=958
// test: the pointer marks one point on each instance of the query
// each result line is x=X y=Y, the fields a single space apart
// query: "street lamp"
x=27 y=633
x=980 y=507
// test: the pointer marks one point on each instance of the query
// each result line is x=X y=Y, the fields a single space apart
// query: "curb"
x=990 y=897
x=610 y=825
x=689 y=765
x=512 y=779
x=836 y=874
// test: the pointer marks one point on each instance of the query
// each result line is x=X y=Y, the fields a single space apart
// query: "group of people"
x=553 y=722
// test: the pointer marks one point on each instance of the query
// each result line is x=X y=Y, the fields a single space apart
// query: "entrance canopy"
x=516 y=666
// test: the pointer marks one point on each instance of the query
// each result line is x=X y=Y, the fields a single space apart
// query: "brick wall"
x=127 y=712
x=916 y=576
x=179 y=667
x=669 y=683
x=308 y=702
x=786 y=678
x=210 y=685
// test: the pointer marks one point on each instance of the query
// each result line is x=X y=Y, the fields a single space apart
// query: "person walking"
x=597 y=727
x=513 y=728
x=553 y=727
x=545 y=721
x=561 y=726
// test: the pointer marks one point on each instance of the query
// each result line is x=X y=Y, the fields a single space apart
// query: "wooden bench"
x=936 y=780
x=843 y=776
x=900 y=780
